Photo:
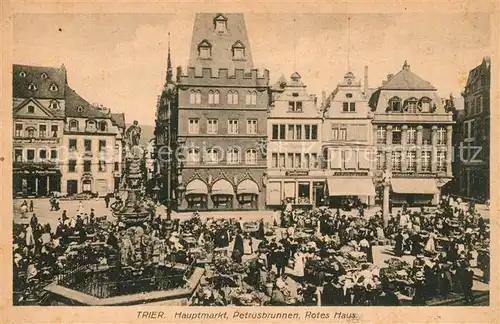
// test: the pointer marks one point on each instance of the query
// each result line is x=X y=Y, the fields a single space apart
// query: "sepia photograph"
x=251 y=159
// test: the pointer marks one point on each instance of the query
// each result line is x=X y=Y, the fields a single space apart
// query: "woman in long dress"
x=298 y=268
x=430 y=246
x=247 y=245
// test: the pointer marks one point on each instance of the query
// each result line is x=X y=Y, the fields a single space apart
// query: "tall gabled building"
x=223 y=102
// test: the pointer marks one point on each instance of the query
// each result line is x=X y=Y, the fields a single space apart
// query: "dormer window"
x=395 y=104
x=44 y=76
x=53 y=87
x=348 y=95
x=91 y=126
x=205 y=50
x=238 y=51
x=73 y=125
x=31 y=109
x=32 y=87
x=54 y=105
x=220 y=24
x=411 y=105
x=80 y=108
x=22 y=74
x=425 y=104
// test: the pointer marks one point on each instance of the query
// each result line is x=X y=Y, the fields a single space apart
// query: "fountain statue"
x=132 y=211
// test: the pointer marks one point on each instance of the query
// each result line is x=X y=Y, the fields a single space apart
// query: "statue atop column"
x=133 y=136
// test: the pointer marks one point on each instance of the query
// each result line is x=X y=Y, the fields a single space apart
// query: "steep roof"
x=119 y=119
x=221 y=43
x=43 y=79
x=74 y=101
x=407 y=80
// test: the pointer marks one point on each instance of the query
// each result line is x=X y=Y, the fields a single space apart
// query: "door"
x=102 y=187
x=72 y=187
x=318 y=196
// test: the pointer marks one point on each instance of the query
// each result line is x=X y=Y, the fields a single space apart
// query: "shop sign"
x=296 y=173
x=350 y=174
x=36 y=141
x=414 y=175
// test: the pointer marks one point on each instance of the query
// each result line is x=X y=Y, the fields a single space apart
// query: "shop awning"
x=414 y=186
x=196 y=187
x=222 y=187
x=350 y=187
x=248 y=187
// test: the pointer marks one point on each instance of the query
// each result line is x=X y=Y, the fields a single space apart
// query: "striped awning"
x=196 y=187
x=414 y=186
x=350 y=187
x=248 y=187
x=222 y=187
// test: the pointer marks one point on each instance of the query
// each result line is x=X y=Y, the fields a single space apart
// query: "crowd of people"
x=318 y=257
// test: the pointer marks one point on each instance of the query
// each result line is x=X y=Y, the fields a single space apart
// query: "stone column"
x=449 y=150
x=434 y=149
x=36 y=186
x=419 y=148
x=385 y=206
x=404 y=134
x=388 y=147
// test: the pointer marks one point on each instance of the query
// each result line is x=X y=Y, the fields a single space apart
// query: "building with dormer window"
x=221 y=119
x=347 y=150
x=413 y=138
x=294 y=146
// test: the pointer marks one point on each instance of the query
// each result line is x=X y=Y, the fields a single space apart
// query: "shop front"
x=222 y=194
x=248 y=195
x=416 y=192
x=36 y=183
x=195 y=195
x=348 y=192
x=297 y=187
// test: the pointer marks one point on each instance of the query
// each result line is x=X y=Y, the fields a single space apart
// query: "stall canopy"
x=350 y=187
x=248 y=187
x=222 y=187
x=196 y=187
x=414 y=186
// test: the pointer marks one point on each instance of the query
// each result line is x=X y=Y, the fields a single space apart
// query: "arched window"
x=425 y=104
x=229 y=97
x=235 y=98
x=193 y=156
x=22 y=74
x=90 y=126
x=53 y=87
x=54 y=104
x=216 y=97
x=205 y=50
x=44 y=75
x=80 y=108
x=73 y=125
x=212 y=156
x=233 y=156
x=192 y=97
x=210 y=97
x=254 y=98
x=411 y=105
x=248 y=98
x=395 y=104
x=198 y=97
x=32 y=87
x=251 y=156
x=30 y=132
x=103 y=126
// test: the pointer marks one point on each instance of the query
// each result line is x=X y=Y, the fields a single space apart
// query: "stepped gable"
x=220 y=42
x=407 y=80
x=43 y=78
x=74 y=101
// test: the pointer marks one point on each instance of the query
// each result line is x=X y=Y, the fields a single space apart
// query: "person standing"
x=106 y=200
x=398 y=247
x=419 y=286
x=34 y=221
x=31 y=205
x=237 y=254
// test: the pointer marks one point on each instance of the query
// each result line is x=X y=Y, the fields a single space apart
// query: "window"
x=31 y=131
x=411 y=135
x=297 y=161
x=192 y=97
x=282 y=160
x=251 y=156
x=307 y=132
x=87 y=144
x=117 y=166
x=348 y=95
x=229 y=97
x=381 y=160
x=44 y=75
x=102 y=145
x=238 y=53
x=194 y=126
x=252 y=127
x=426 y=136
x=18 y=130
x=352 y=106
x=53 y=155
x=232 y=126
x=32 y=87
x=216 y=97
x=211 y=97
x=426 y=161
x=274 y=160
x=233 y=156
x=314 y=132
x=30 y=155
x=298 y=132
x=306 y=163
x=282 y=132
x=102 y=166
x=275 y=132
x=72 y=166
x=441 y=136
x=339 y=133
x=425 y=103
x=411 y=164
x=345 y=106
x=396 y=135
x=395 y=104
x=396 y=161
x=205 y=50
x=87 y=166
x=479 y=104
x=289 y=160
x=90 y=127
x=42 y=129
x=348 y=106
x=441 y=161
x=381 y=135
x=54 y=129
x=212 y=126
x=22 y=74
x=198 y=97
x=193 y=156
x=103 y=126
x=236 y=99
x=73 y=125
x=31 y=109
x=212 y=156
x=80 y=108
x=251 y=98
x=291 y=132
x=411 y=105
x=53 y=87
x=72 y=144
x=313 y=161
x=18 y=155
x=220 y=25
x=295 y=106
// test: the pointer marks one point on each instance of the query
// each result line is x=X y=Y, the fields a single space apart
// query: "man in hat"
x=238 y=248
x=465 y=277
x=419 y=286
x=281 y=259
x=271 y=254
x=34 y=221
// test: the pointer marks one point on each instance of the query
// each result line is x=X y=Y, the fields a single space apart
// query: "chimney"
x=365 y=85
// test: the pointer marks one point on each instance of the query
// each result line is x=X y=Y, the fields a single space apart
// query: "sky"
x=119 y=60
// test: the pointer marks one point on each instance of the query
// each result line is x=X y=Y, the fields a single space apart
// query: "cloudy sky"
x=119 y=60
